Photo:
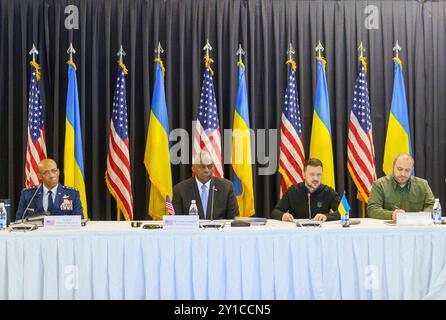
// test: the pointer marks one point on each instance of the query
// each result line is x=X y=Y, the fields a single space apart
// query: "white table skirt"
x=110 y=260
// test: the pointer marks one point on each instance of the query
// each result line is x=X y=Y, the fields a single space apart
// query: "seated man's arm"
x=281 y=207
x=177 y=201
x=22 y=206
x=77 y=205
x=334 y=205
x=429 y=199
x=375 y=206
x=232 y=209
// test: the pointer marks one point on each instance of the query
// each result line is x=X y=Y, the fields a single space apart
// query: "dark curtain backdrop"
x=264 y=28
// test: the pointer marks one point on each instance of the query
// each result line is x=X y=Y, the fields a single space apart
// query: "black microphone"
x=29 y=203
x=212 y=203
x=309 y=206
x=211 y=224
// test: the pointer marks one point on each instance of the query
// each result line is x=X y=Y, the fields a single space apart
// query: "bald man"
x=199 y=188
x=50 y=196
x=399 y=192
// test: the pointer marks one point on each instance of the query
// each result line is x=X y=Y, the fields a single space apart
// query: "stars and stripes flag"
x=118 y=160
x=169 y=206
x=360 y=150
x=36 y=141
x=207 y=131
x=292 y=155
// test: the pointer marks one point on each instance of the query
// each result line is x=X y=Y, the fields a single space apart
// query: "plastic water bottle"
x=436 y=212
x=193 y=209
x=345 y=220
x=2 y=215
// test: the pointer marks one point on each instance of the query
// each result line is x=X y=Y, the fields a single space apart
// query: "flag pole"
x=363 y=208
x=118 y=214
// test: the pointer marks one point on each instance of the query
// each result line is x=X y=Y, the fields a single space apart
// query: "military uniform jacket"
x=66 y=202
x=295 y=200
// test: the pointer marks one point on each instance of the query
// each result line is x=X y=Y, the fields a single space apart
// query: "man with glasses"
x=202 y=188
x=49 y=196
x=309 y=198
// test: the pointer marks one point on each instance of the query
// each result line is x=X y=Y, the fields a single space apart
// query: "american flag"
x=36 y=144
x=207 y=132
x=118 y=159
x=169 y=206
x=292 y=155
x=360 y=151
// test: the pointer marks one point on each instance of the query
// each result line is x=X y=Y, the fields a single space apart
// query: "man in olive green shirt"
x=399 y=192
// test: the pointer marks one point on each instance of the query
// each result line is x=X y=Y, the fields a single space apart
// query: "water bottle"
x=2 y=215
x=345 y=220
x=193 y=209
x=436 y=212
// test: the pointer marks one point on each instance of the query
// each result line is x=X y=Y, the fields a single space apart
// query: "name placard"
x=414 y=219
x=61 y=222
x=181 y=222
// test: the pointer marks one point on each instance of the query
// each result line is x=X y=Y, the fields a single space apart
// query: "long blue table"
x=111 y=260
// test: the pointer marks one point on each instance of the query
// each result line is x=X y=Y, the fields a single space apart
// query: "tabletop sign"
x=414 y=219
x=61 y=222
x=181 y=222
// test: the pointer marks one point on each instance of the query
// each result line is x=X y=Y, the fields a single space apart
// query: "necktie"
x=204 y=198
x=50 y=201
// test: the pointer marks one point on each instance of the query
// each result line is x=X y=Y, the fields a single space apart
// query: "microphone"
x=212 y=202
x=212 y=224
x=309 y=206
x=29 y=203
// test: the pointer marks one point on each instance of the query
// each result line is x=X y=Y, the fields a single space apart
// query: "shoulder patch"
x=69 y=188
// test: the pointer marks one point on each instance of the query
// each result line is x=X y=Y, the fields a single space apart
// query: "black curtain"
x=264 y=28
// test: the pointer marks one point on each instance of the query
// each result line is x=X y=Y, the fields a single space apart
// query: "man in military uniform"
x=322 y=199
x=50 y=196
x=399 y=192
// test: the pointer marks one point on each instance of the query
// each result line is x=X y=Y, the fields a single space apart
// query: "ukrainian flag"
x=344 y=206
x=241 y=149
x=156 y=156
x=398 y=131
x=73 y=157
x=320 y=144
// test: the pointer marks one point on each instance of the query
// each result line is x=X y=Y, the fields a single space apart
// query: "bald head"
x=402 y=168
x=203 y=166
x=48 y=173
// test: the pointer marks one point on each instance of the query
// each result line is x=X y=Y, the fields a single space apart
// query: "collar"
x=54 y=190
x=199 y=184
x=396 y=185
x=316 y=191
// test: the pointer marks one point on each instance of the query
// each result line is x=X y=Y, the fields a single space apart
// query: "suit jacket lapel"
x=208 y=212
x=197 y=197
x=58 y=199
x=38 y=201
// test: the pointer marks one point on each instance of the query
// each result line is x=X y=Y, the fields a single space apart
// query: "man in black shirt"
x=323 y=200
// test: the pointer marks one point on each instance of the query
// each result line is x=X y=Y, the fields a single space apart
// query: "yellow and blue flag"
x=320 y=145
x=73 y=154
x=398 y=130
x=241 y=149
x=344 y=206
x=156 y=156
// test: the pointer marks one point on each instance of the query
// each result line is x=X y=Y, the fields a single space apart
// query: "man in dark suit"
x=50 y=196
x=202 y=188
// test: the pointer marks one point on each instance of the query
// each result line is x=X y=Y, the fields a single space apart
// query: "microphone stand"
x=213 y=224
x=21 y=226
x=309 y=205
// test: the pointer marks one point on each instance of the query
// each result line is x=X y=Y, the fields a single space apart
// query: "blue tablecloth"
x=278 y=261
